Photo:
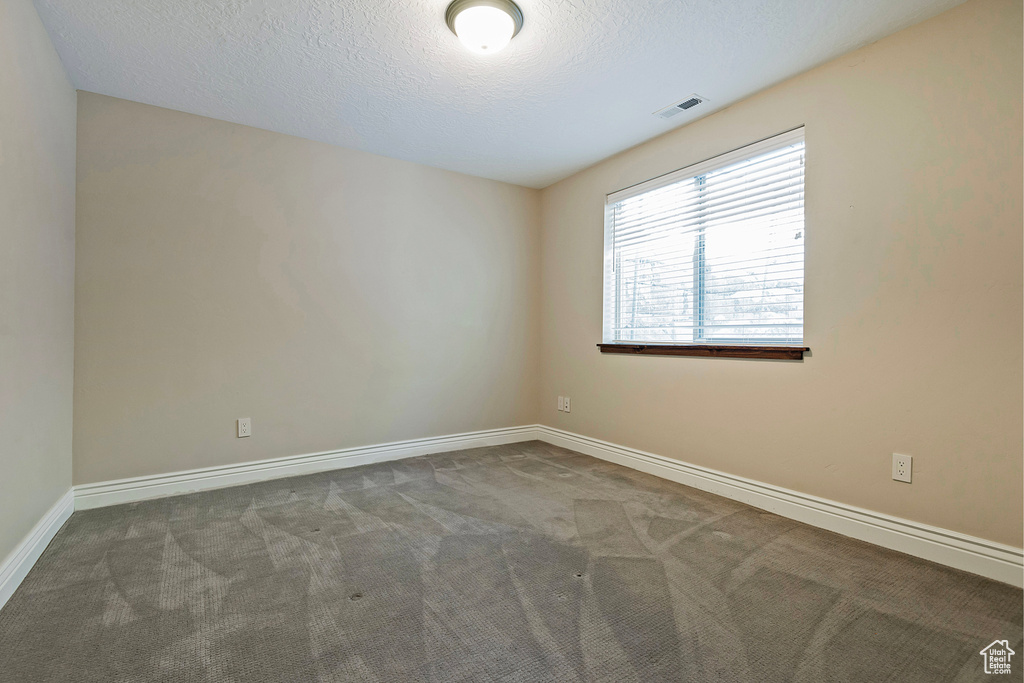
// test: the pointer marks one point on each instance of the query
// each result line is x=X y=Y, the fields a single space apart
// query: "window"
x=709 y=260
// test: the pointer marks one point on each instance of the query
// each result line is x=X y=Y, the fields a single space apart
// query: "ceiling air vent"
x=682 y=105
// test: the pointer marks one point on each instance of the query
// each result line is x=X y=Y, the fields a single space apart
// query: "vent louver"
x=682 y=105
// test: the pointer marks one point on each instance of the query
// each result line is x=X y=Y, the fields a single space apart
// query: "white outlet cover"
x=244 y=427
x=902 y=467
x=567 y=405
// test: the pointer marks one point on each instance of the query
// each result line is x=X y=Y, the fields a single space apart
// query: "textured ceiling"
x=578 y=84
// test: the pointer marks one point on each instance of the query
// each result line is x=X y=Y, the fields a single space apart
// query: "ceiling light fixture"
x=484 y=26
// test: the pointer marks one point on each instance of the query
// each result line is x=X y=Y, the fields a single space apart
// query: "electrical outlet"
x=561 y=403
x=567 y=404
x=244 y=427
x=901 y=467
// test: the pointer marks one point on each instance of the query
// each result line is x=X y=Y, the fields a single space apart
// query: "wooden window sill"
x=708 y=350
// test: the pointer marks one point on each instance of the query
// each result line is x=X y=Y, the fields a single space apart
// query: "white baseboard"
x=17 y=564
x=976 y=555
x=102 y=494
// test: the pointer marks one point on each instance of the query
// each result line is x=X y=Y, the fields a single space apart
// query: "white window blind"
x=712 y=253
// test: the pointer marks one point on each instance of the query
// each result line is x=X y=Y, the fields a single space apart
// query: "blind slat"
x=692 y=221
x=680 y=258
x=714 y=192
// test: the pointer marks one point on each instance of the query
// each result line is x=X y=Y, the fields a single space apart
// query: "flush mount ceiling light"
x=484 y=26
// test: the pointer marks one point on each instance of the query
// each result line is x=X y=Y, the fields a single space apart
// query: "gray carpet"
x=513 y=563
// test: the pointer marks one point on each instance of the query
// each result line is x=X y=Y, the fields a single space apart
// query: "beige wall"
x=913 y=288
x=335 y=297
x=341 y=299
x=37 y=266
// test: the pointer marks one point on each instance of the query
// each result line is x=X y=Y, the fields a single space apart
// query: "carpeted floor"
x=513 y=563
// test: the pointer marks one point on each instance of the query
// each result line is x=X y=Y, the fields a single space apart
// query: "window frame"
x=780 y=351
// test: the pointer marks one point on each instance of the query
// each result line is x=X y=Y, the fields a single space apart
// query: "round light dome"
x=484 y=26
